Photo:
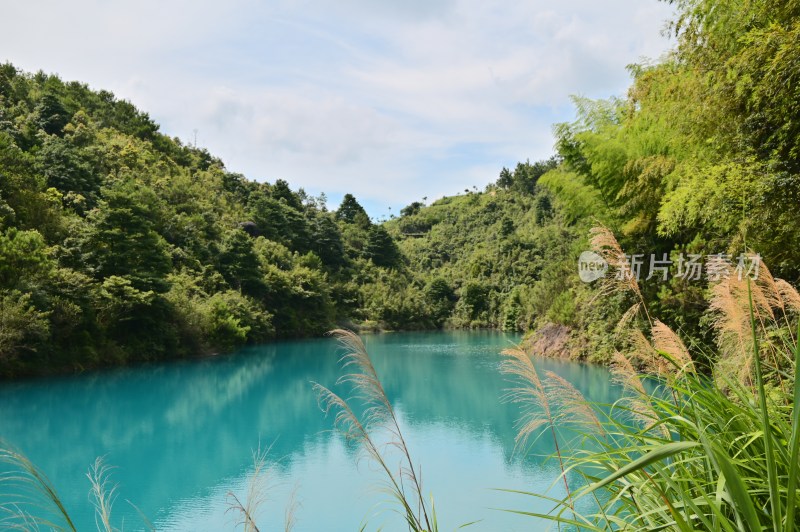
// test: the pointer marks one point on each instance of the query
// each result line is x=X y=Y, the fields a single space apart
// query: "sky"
x=390 y=101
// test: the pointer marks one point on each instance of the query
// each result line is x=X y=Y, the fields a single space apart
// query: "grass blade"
x=737 y=488
x=660 y=453
x=772 y=469
x=794 y=443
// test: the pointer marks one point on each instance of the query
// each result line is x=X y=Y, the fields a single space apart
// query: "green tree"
x=23 y=328
x=24 y=258
x=411 y=209
x=280 y=222
x=544 y=208
x=122 y=241
x=138 y=324
x=506 y=178
x=238 y=263
x=51 y=114
x=281 y=191
x=526 y=175
x=351 y=212
x=327 y=242
x=506 y=227
x=381 y=249
x=441 y=299
x=67 y=167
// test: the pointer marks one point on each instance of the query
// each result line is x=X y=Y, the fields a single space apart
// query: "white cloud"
x=389 y=100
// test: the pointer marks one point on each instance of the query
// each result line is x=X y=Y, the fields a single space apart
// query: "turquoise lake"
x=180 y=436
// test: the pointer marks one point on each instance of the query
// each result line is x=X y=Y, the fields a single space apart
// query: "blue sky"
x=390 y=101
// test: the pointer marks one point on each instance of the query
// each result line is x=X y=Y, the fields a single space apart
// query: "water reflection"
x=181 y=435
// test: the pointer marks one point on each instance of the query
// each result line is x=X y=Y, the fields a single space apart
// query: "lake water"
x=181 y=435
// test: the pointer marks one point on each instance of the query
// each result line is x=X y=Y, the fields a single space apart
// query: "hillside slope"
x=119 y=243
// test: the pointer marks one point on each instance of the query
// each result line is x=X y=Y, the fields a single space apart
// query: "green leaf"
x=737 y=488
x=659 y=453
x=794 y=444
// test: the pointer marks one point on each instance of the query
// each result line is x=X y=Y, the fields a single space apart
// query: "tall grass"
x=102 y=494
x=256 y=496
x=404 y=485
x=730 y=463
x=546 y=403
x=29 y=501
x=716 y=450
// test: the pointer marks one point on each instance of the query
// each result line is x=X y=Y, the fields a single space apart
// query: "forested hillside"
x=119 y=243
x=700 y=159
x=490 y=259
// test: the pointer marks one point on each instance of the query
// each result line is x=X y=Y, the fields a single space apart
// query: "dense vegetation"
x=118 y=243
x=701 y=158
x=480 y=256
